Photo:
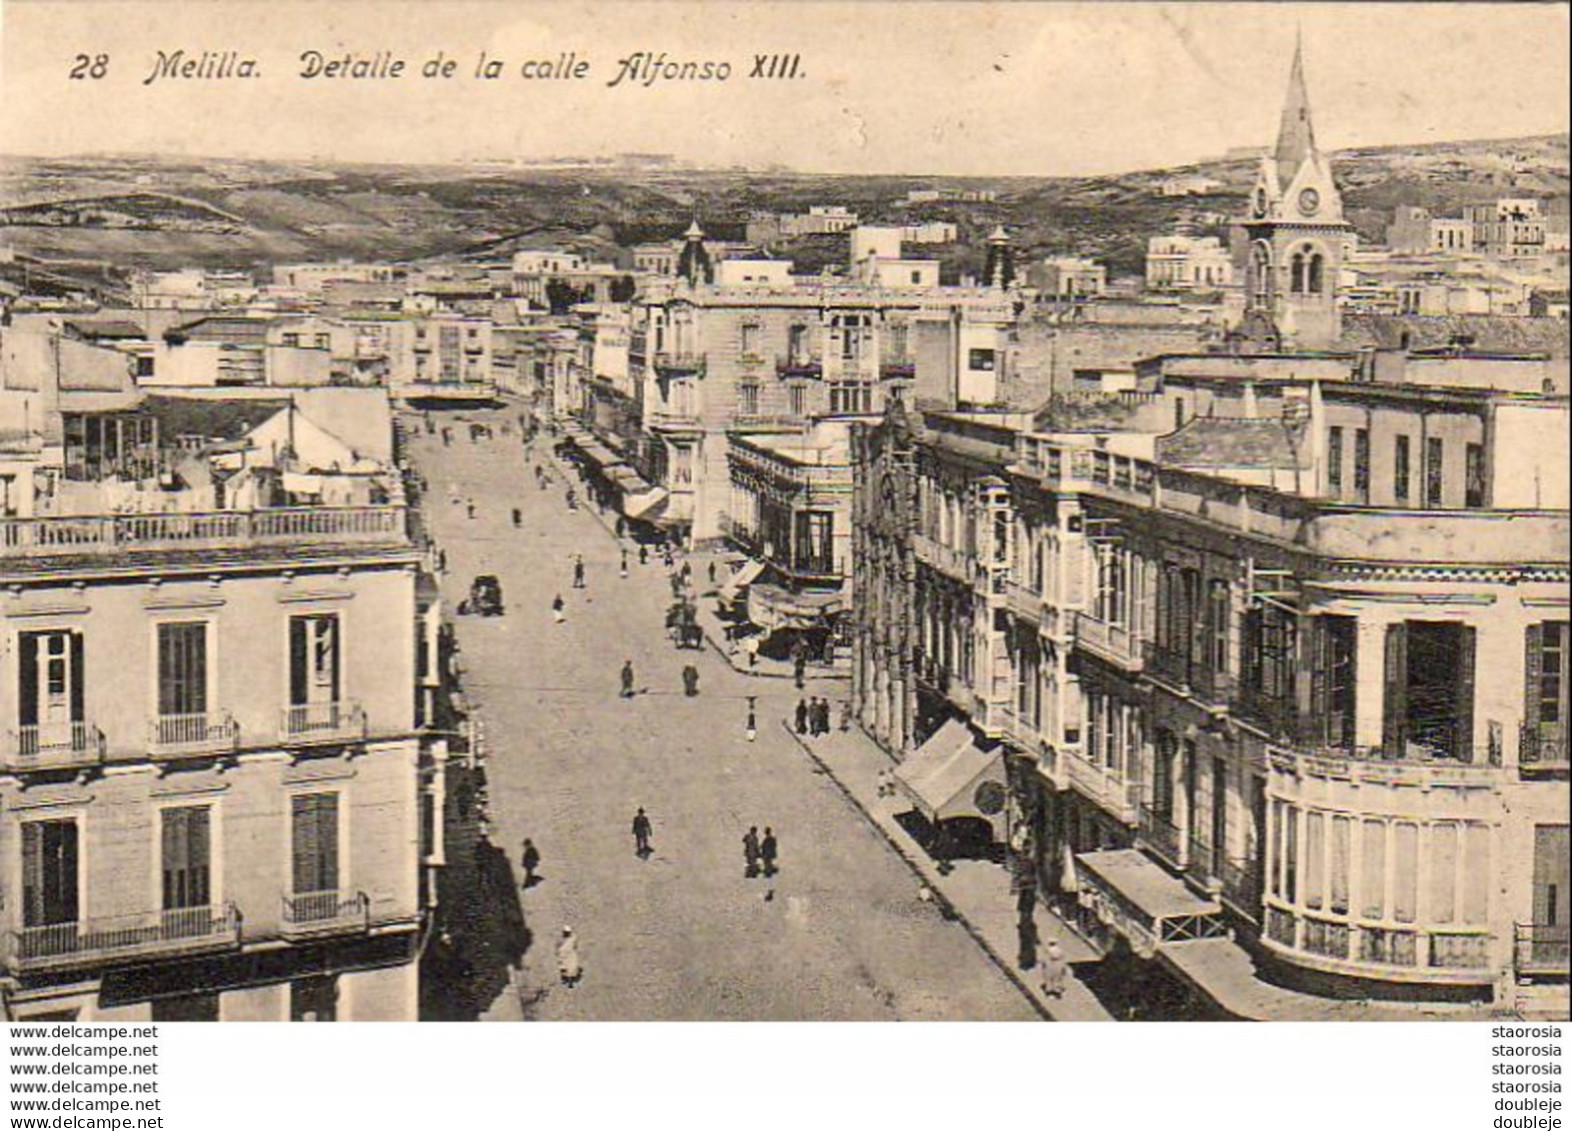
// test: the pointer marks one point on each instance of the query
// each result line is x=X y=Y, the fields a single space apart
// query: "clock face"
x=1260 y=202
x=1309 y=201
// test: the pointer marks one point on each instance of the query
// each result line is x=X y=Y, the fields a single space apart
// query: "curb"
x=1005 y=967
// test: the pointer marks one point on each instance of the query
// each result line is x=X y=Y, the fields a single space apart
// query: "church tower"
x=1297 y=234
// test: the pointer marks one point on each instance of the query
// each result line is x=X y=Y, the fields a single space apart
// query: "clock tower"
x=1297 y=234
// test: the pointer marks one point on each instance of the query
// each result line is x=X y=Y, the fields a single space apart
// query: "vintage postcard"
x=783 y=511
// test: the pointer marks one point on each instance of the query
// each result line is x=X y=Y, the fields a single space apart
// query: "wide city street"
x=839 y=934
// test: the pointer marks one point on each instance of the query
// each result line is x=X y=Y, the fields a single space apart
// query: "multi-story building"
x=211 y=804
x=1069 y=277
x=1267 y=645
x=1507 y=229
x=1186 y=263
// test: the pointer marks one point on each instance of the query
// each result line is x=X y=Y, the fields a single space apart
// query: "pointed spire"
x=1295 y=134
x=694 y=232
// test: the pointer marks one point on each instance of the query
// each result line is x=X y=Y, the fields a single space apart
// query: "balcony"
x=952 y=563
x=1377 y=766
x=124 y=938
x=799 y=365
x=679 y=364
x=311 y=914
x=1103 y=787
x=55 y=746
x=893 y=369
x=1161 y=835
x=1023 y=603
x=32 y=538
x=674 y=420
x=1182 y=672
x=1540 y=951
x=1113 y=644
x=1540 y=751
x=1442 y=955
x=1070 y=468
x=339 y=721
x=177 y=736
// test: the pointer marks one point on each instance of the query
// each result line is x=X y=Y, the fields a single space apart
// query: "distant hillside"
x=150 y=212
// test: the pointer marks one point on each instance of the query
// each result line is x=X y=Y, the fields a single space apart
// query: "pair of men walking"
x=760 y=854
x=813 y=716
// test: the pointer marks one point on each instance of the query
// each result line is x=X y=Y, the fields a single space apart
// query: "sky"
x=954 y=89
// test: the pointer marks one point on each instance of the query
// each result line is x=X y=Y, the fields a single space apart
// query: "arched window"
x=1296 y=284
x=1261 y=265
x=1317 y=270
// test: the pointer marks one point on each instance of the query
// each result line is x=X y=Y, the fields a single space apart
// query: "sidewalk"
x=765 y=667
x=976 y=891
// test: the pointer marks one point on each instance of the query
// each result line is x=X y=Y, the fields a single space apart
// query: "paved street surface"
x=840 y=934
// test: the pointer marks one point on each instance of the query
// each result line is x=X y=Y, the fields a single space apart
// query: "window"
x=797 y=399
x=797 y=345
x=1429 y=690
x=186 y=857
x=1372 y=884
x=291 y=339
x=1334 y=461
x=49 y=873
x=1218 y=617
x=1362 y=465
x=182 y=670
x=1435 y=472
x=322 y=341
x=815 y=544
x=1111 y=604
x=314 y=672
x=1178 y=414
x=1474 y=475
x=1400 y=470
x=980 y=360
x=750 y=340
x=748 y=399
x=50 y=690
x=1316 y=280
x=314 y=842
x=1546 y=698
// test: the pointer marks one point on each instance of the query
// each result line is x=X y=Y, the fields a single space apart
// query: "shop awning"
x=598 y=453
x=626 y=480
x=771 y=607
x=641 y=504
x=740 y=580
x=1133 y=895
x=951 y=776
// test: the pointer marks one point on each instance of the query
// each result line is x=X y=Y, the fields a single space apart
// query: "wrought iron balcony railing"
x=323 y=722
x=211 y=732
x=121 y=938
x=325 y=913
x=55 y=746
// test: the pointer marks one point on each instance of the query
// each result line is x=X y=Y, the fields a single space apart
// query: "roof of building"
x=211 y=418
x=1083 y=412
x=105 y=328
x=1483 y=333
x=1210 y=441
x=223 y=328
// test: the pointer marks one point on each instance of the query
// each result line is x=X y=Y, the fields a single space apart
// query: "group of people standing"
x=813 y=717
x=760 y=853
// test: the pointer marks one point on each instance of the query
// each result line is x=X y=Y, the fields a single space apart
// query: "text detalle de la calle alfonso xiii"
x=637 y=69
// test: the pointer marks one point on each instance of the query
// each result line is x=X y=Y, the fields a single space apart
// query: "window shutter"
x=1395 y=705
x=1463 y=744
x=1317 y=644
x=299 y=670
x=327 y=835
x=32 y=873
x=27 y=681
x=174 y=858
x=304 y=848
x=78 y=693
x=334 y=659
x=198 y=855
x=1533 y=644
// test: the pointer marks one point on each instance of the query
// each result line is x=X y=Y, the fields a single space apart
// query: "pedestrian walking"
x=570 y=968
x=1026 y=938
x=802 y=716
x=518 y=518
x=712 y=571
x=821 y=716
x=846 y=715
x=751 y=852
x=751 y=729
x=447 y=437
x=624 y=568
x=641 y=834
x=1054 y=970
x=469 y=507
x=442 y=561
x=644 y=554
x=769 y=849
x=799 y=670
x=578 y=571
x=690 y=680
x=529 y=860
x=557 y=612
x=627 y=679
